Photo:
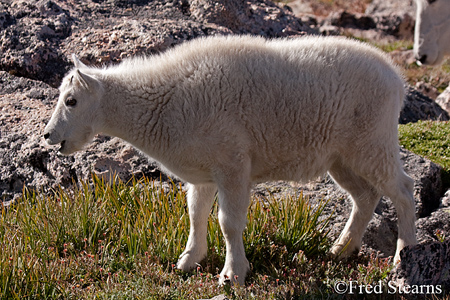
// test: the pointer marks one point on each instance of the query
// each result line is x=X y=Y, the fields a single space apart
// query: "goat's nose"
x=423 y=58
x=46 y=135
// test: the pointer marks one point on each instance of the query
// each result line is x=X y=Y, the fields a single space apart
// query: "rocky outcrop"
x=394 y=17
x=262 y=18
x=417 y=107
x=38 y=37
x=381 y=21
x=30 y=39
x=425 y=266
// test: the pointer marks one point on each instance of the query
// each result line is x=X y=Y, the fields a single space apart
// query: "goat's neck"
x=135 y=114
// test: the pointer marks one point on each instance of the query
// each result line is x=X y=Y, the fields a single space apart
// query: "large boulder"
x=381 y=21
x=417 y=107
x=425 y=267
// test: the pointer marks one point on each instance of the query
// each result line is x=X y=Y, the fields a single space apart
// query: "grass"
x=431 y=140
x=121 y=241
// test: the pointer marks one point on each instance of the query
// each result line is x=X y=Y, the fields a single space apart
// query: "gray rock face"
x=425 y=264
x=262 y=18
x=37 y=38
x=395 y=17
x=31 y=39
x=417 y=107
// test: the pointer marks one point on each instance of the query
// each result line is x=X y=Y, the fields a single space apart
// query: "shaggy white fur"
x=432 y=31
x=224 y=112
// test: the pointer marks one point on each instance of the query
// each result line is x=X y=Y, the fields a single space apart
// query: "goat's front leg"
x=234 y=199
x=200 y=199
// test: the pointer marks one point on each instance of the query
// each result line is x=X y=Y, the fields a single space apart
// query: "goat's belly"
x=298 y=169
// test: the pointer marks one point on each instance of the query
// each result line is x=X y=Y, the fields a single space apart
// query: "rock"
x=428 y=188
x=428 y=90
x=394 y=17
x=444 y=100
x=301 y=7
x=390 y=7
x=381 y=22
x=247 y=17
x=425 y=264
x=435 y=227
x=31 y=37
x=349 y=20
x=38 y=38
x=400 y=57
x=419 y=107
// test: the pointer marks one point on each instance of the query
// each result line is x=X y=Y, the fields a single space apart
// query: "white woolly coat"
x=291 y=106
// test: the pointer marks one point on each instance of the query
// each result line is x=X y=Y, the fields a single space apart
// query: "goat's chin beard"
x=68 y=147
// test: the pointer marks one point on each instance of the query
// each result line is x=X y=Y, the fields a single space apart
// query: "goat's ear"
x=78 y=64
x=89 y=82
x=86 y=80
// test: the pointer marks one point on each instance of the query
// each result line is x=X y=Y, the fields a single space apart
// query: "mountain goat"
x=224 y=112
x=432 y=31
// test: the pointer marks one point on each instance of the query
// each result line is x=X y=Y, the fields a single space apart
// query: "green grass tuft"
x=430 y=139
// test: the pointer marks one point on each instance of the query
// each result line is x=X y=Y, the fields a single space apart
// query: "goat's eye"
x=71 y=101
x=431 y=1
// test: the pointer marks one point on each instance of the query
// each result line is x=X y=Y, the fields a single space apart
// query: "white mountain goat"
x=432 y=31
x=223 y=112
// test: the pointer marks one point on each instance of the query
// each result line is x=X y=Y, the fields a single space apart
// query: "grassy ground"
x=120 y=241
x=431 y=140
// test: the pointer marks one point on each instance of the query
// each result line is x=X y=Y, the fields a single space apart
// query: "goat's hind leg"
x=365 y=199
x=200 y=199
x=401 y=192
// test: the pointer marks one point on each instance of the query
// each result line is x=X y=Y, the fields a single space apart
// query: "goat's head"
x=77 y=117
x=432 y=31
